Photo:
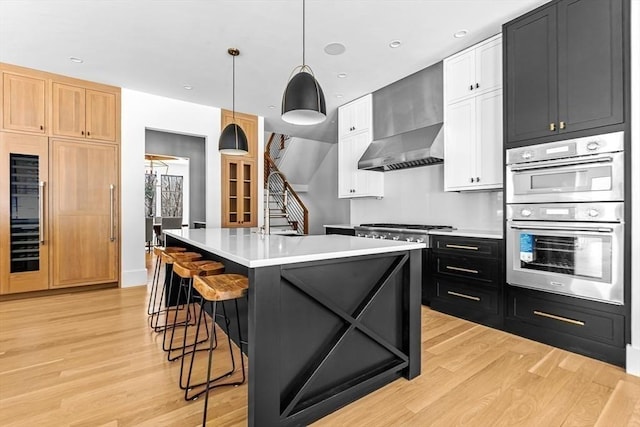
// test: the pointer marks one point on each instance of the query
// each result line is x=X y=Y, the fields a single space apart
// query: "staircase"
x=284 y=211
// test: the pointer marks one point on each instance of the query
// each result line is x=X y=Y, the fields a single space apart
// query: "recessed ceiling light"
x=342 y=75
x=460 y=34
x=335 y=49
x=76 y=60
x=188 y=87
x=339 y=95
x=395 y=43
x=272 y=106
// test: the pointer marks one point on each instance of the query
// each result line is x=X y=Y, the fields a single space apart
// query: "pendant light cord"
x=303 y=33
x=233 y=89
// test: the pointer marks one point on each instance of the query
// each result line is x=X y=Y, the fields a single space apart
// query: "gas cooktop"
x=407 y=226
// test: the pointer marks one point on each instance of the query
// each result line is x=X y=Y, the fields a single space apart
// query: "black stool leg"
x=154 y=287
x=206 y=395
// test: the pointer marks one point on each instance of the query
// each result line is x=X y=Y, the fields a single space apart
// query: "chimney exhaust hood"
x=407 y=123
x=420 y=147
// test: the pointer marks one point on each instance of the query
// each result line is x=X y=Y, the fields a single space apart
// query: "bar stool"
x=186 y=270
x=169 y=258
x=214 y=289
x=158 y=251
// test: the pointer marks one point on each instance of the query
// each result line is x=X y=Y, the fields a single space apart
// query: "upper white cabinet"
x=473 y=118
x=474 y=71
x=355 y=135
x=355 y=116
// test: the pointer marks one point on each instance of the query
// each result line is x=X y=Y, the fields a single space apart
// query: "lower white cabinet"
x=353 y=182
x=473 y=143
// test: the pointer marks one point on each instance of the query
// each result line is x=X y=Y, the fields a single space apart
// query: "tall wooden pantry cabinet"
x=59 y=191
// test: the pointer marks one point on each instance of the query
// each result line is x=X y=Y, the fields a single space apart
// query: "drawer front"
x=467 y=246
x=485 y=270
x=578 y=321
x=476 y=298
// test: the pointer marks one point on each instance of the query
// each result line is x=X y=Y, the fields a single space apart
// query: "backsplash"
x=417 y=196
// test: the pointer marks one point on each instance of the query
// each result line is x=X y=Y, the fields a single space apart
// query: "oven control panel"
x=597 y=212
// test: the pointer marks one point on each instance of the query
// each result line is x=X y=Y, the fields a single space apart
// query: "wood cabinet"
x=24 y=103
x=24 y=217
x=240 y=175
x=354 y=138
x=587 y=327
x=59 y=211
x=473 y=118
x=84 y=215
x=83 y=113
x=474 y=71
x=564 y=71
x=467 y=278
x=239 y=198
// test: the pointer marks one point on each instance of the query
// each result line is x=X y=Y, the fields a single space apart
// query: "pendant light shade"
x=233 y=140
x=303 y=100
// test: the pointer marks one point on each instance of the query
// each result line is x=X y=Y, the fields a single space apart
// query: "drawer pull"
x=457 y=294
x=560 y=318
x=466 y=270
x=471 y=248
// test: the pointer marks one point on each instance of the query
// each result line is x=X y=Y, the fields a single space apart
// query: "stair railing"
x=283 y=194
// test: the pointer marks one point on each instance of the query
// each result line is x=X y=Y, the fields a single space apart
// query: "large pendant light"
x=232 y=140
x=303 y=100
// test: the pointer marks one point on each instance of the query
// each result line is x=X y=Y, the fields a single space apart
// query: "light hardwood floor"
x=90 y=359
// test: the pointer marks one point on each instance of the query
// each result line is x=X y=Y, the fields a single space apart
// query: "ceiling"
x=159 y=46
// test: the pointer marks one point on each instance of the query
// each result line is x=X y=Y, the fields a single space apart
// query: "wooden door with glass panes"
x=239 y=198
x=84 y=213
x=24 y=237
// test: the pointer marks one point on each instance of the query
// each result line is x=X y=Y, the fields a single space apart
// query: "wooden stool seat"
x=187 y=269
x=170 y=258
x=221 y=287
x=159 y=250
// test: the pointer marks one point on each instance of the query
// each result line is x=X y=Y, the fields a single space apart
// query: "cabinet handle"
x=88 y=133
x=563 y=125
x=477 y=179
x=560 y=318
x=470 y=87
x=471 y=248
x=471 y=179
x=41 y=231
x=465 y=270
x=552 y=127
x=82 y=132
x=112 y=237
x=477 y=85
x=457 y=294
x=41 y=127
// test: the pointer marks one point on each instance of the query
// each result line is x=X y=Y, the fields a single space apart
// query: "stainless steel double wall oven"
x=565 y=217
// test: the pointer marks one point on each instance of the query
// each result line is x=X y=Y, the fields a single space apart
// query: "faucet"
x=267 y=225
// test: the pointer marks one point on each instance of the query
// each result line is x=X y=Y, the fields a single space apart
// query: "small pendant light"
x=303 y=101
x=232 y=140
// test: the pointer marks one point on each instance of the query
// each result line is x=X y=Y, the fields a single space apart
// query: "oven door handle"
x=556 y=164
x=563 y=228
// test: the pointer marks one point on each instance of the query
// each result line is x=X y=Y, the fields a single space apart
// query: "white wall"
x=417 y=196
x=633 y=350
x=142 y=111
x=301 y=159
x=321 y=197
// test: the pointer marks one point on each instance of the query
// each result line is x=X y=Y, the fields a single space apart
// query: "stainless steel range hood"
x=420 y=147
x=407 y=123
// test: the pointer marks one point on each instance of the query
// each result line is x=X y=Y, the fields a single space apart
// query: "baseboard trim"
x=133 y=278
x=633 y=360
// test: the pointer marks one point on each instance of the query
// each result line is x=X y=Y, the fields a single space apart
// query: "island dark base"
x=322 y=334
x=330 y=332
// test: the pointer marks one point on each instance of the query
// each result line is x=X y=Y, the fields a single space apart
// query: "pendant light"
x=232 y=140
x=303 y=100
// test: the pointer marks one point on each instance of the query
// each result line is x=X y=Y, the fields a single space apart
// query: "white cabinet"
x=355 y=116
x=355 y=135
x=474 y=71
x=473 y=118
x=473 y=143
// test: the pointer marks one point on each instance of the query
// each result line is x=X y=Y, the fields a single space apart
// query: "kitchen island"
x=329 y=318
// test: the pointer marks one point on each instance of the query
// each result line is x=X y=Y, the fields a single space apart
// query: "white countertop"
x=250 y=248
x=347 y=226
x=484 y=234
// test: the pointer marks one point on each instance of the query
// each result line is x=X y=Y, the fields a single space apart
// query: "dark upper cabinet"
x=564 y=70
